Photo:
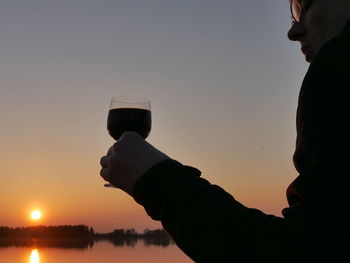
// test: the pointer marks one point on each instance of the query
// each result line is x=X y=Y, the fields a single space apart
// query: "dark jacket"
x=209 y=225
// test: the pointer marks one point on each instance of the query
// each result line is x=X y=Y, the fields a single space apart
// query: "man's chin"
x=308 y=58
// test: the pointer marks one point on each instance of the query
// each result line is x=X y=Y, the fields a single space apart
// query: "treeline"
x=65 y=231
x=83 y=231
x=79 y=236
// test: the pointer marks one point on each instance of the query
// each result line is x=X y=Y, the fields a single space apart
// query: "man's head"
x=316 y=22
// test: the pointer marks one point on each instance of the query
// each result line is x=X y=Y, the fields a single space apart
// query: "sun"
x=35 y=215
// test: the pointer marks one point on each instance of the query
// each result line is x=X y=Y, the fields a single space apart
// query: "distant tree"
x=119 y=232
x=131 y=232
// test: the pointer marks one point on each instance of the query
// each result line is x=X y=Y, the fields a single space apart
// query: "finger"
x=104 y=161
x=104 y=174
x=110 y=151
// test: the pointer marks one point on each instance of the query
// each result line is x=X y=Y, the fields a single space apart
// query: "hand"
x=128 y=159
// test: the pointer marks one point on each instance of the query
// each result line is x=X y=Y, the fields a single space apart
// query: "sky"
x=222 y=77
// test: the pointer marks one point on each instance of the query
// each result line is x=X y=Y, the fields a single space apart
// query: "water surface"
x=99 y=252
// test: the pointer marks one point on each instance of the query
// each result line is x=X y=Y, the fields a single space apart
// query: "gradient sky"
x=223 y=80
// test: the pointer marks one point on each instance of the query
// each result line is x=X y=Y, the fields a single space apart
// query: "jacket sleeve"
x=206 y=222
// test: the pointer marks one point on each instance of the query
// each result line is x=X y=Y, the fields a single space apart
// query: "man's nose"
x=296 y=32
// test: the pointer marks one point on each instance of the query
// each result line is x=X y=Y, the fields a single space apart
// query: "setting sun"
x=35 y=215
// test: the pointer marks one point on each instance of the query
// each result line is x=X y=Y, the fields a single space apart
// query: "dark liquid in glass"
x=127 y=119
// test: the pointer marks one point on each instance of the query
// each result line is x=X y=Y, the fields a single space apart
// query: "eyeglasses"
x=298 y=9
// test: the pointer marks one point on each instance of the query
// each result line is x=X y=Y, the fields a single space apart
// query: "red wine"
x=129 y=119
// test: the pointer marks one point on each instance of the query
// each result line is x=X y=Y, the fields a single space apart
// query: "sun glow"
x=36 y=215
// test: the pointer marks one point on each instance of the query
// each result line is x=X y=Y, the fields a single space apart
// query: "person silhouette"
x=207 y=223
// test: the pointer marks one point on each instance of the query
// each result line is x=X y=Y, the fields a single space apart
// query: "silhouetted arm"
x=206 y=222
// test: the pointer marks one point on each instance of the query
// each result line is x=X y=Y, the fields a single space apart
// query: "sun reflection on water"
x=34 y=256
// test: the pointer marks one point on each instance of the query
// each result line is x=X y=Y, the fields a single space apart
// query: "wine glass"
x=128 y=113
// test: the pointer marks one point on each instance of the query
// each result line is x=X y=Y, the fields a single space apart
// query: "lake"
x=99 y=252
